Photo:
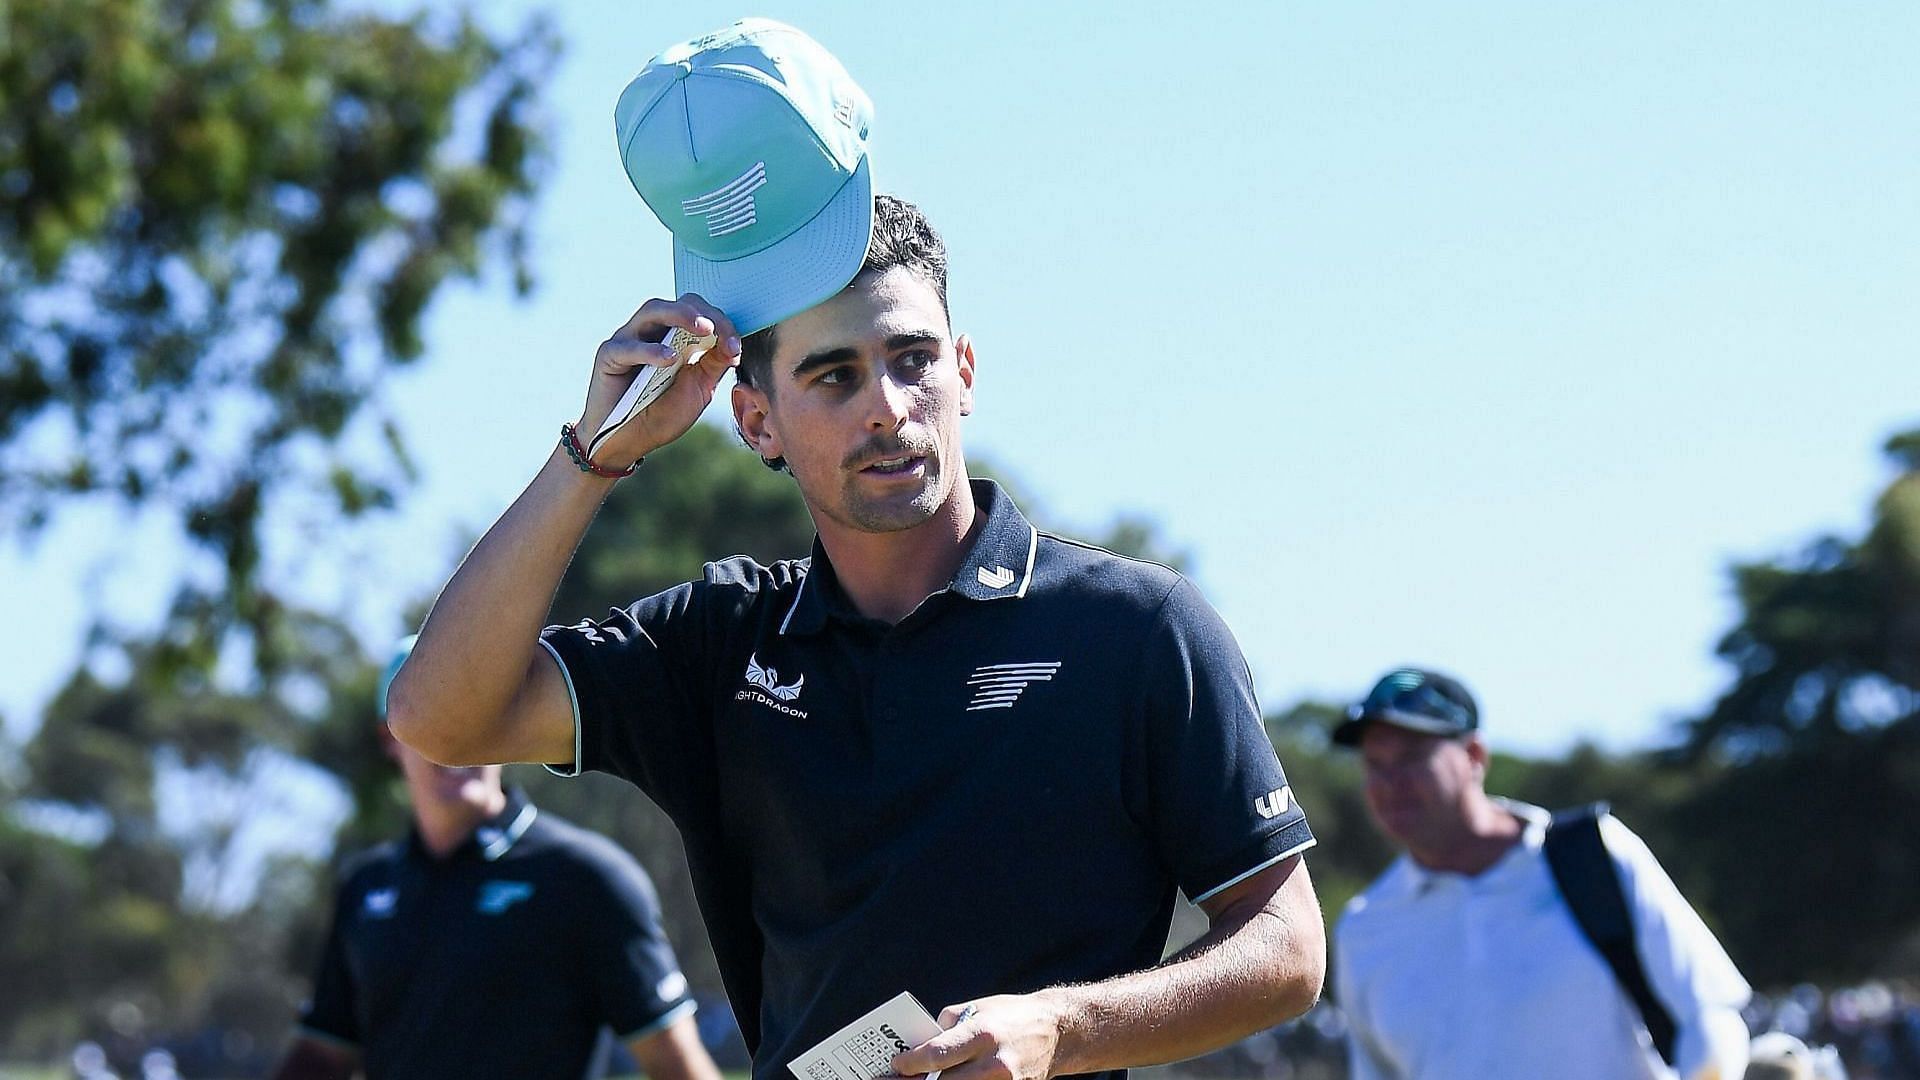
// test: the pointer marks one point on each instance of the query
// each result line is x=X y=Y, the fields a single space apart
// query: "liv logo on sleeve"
x=1275 y=802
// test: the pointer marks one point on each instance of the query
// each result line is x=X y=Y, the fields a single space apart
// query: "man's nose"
x=887 y=404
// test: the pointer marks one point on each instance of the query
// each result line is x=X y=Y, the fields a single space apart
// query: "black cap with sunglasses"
x=1415 y=699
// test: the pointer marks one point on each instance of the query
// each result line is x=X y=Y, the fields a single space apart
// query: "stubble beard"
x=895 y=514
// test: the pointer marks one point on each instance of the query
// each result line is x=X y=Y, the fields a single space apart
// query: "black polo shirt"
x=999 y=794
x=509 y=957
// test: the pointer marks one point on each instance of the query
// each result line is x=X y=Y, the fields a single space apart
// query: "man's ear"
x=963 y=354
x=1476 y=754
x=753 y=416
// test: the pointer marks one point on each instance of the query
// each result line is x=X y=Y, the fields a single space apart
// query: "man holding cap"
x=493 y=940
x=947 y=753
x=1464 y=959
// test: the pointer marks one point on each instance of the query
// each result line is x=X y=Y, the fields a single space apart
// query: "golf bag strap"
x=1577 y=855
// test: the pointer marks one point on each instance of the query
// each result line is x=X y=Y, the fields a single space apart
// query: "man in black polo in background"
x=493 y=941
x=947 y=753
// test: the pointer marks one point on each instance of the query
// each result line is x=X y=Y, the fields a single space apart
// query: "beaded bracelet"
x=570 y=439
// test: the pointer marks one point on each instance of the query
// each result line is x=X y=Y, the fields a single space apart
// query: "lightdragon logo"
x=763 y=687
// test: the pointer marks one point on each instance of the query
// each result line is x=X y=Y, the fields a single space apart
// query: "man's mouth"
x=895 y=466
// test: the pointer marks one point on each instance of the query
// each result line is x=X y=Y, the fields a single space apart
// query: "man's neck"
x=445 y=826
x=1487 y=833
x=887 y=575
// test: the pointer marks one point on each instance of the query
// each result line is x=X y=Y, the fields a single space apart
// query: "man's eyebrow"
x=825 y=357
x=912 y=337
x=845 y=353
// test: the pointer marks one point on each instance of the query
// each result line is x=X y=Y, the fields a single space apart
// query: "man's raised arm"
x=478 y=689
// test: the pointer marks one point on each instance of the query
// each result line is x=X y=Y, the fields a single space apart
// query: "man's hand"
x=1260 y=962
x=635 y=346
x=1008 y=1037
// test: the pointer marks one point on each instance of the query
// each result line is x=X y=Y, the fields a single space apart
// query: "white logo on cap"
x=729 y=208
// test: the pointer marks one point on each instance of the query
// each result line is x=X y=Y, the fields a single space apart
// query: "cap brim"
x=1348 y=732
x=808 y=267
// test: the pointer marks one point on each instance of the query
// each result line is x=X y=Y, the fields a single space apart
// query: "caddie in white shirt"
x=1463 y=959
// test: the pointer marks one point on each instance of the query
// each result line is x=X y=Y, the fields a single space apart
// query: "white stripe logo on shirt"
x=998 y=686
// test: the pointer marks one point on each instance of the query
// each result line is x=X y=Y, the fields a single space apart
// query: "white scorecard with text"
x=864 y=1049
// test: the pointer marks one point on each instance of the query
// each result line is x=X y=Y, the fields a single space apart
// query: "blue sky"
x=1483 y=338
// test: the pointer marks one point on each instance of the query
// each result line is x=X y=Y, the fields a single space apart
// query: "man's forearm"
x=1260 y=962
x=1242 y=976
x=473 y=653
x=674 y=1053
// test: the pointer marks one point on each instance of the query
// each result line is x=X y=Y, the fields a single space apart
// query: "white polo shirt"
x=1444 y=976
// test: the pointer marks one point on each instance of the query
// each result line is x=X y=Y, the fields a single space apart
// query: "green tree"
x=148 y=913
x=220 y=222
x=1810 y=833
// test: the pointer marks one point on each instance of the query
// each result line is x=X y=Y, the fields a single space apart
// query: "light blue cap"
x=750 y=146
x=400 y=653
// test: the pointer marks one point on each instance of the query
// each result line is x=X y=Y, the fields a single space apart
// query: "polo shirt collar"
x=998 y=566
x=495 y=836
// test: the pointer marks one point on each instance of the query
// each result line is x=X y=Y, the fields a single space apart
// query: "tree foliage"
x=1812 y=843
x=220 y=223
x=138 y=902
x=1828 y=644
x=1790 y=815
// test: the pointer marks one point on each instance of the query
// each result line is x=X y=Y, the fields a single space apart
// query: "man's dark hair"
x=903 y=237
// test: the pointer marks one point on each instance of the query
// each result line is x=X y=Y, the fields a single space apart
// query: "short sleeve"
x=1219 y=805
x=633 y=679
x=331 y=1014
x=636 y=979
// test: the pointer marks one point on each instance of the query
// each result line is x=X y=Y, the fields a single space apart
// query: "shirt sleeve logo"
x=1275 y=802
x=597 y=634
x=998 y=686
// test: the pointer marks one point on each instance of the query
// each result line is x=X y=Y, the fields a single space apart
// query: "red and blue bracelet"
x=570 y=439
